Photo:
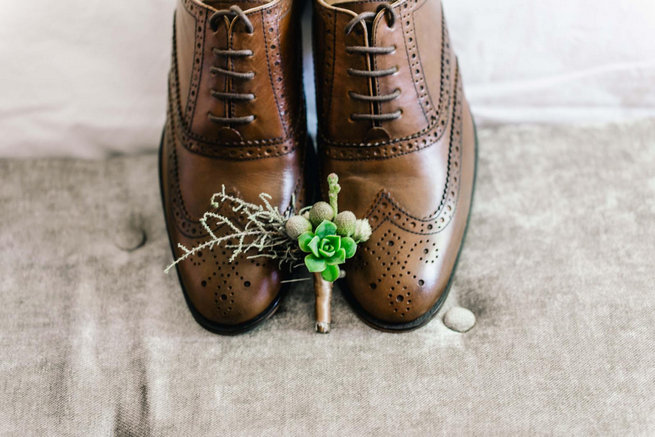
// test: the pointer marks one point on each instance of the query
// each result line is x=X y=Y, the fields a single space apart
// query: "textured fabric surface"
x=88 y=79
x=561 y=61
x=557 y=266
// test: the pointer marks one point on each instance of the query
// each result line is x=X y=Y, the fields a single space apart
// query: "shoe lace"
x=214 y=20
x=368 y=50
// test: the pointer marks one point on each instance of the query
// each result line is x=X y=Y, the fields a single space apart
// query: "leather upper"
x=200 y=155
x=412 y=176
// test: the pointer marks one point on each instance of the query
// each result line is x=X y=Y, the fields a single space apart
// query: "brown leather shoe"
x=236 y=117
x=396 y=128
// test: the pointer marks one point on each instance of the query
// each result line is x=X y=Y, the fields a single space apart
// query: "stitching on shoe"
x=258 y=149
x=347 y=151
x=187 y=226
x=439 y=220
x=282 y=107
x=420 y=76
x=203 y=145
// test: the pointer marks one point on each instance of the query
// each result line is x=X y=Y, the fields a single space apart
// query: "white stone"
x=459 y=319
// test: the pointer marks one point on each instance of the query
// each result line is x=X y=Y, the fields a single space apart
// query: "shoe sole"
x=432 y=312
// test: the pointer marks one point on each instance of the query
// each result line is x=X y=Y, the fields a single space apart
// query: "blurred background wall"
x=88 y=78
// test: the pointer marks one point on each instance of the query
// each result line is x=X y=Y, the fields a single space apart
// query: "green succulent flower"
x=326 y=250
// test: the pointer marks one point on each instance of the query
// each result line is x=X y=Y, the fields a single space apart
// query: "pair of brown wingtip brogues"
x=393 y=124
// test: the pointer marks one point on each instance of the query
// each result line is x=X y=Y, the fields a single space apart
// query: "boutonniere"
x=320 y=235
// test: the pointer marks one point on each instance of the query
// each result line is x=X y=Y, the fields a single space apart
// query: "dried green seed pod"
x=319 y=212
x=362 y=230
x=333 y=192
x=297 y=225
x=345 y=222
x=333 y=179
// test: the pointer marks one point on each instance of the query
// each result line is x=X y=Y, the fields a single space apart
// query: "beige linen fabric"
x=558 y=267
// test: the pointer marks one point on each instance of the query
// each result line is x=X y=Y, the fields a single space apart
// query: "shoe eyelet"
x=213 y=25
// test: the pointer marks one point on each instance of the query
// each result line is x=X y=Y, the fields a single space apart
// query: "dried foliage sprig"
x=262 y=236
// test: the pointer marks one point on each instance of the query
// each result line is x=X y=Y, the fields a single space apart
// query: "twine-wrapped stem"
x=323 y=291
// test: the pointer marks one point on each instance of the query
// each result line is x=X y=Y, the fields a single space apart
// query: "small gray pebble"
x=129 y=238
x=459 y=319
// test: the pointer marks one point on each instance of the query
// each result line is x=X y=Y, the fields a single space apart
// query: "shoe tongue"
x=359 y=6
x=243 y=4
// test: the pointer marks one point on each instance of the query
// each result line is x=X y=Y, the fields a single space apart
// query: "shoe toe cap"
x=399 y=277
x=228 y=294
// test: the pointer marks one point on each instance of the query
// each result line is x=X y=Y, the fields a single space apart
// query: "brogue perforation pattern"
x=274 y=57
x=405 y=12
x=392 y=253
x=200 y=16
x=225 y=280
